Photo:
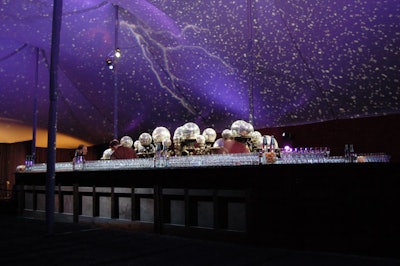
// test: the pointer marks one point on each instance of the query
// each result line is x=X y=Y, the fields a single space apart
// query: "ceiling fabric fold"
x=272 y=63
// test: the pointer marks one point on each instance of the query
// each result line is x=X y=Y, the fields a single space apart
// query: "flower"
x=270 y=157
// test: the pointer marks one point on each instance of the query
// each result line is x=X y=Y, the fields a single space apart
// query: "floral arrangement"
x=270 y=157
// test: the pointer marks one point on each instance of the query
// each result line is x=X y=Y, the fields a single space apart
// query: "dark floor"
x=26 y=241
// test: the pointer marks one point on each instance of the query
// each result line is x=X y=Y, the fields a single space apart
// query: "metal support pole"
x=52 y=124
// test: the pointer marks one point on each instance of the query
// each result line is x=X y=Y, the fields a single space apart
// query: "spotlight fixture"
x=117 y=53
x=109 y=63
x=112 y=58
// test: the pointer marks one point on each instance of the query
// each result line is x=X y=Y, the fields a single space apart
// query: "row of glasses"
x=234 y=159
x=29 y=162
x=237 y=159
x=378 y=157
x=299 y=155
x=184 y=161
x=98 y=165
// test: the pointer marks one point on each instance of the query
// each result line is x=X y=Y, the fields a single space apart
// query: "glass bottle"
x=346 y=153
x=272 y=144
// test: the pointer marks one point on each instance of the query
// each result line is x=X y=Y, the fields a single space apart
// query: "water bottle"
x=352 y=154
x=78 y=163
x=272 y=143
x=346 y=153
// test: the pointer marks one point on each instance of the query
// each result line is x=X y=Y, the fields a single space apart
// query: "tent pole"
x=35 y=108
x=115 y=77
x=52 y=123
x=251 y=59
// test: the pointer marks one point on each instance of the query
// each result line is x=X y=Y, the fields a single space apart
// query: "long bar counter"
x=341 y=207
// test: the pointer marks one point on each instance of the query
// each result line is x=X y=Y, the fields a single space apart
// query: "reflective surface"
x=298 y=157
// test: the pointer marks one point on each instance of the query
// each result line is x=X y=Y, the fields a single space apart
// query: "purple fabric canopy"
x=272 y=63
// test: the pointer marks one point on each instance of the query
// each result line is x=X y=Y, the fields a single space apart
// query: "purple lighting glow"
x=281 y=63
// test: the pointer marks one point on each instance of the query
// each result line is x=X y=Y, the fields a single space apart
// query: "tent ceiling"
x=272 y=63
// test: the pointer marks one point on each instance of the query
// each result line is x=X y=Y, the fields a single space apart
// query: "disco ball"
x=227 y=134
x=178 y=134
x=241 y=128
x=209 y=134
x=219 y=143
x=145 y=139
x=190 y=131
x=200 y=139
x=160 y=134
x=167 y=143
x=136 y=144
x=107 y=154
x=126 y=141
x=256 y=139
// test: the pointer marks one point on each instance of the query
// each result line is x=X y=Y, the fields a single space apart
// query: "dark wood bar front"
x=340 y=207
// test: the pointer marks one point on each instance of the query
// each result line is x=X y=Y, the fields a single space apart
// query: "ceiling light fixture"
x=117 y=53
x=112 y=58
x=109 y=63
